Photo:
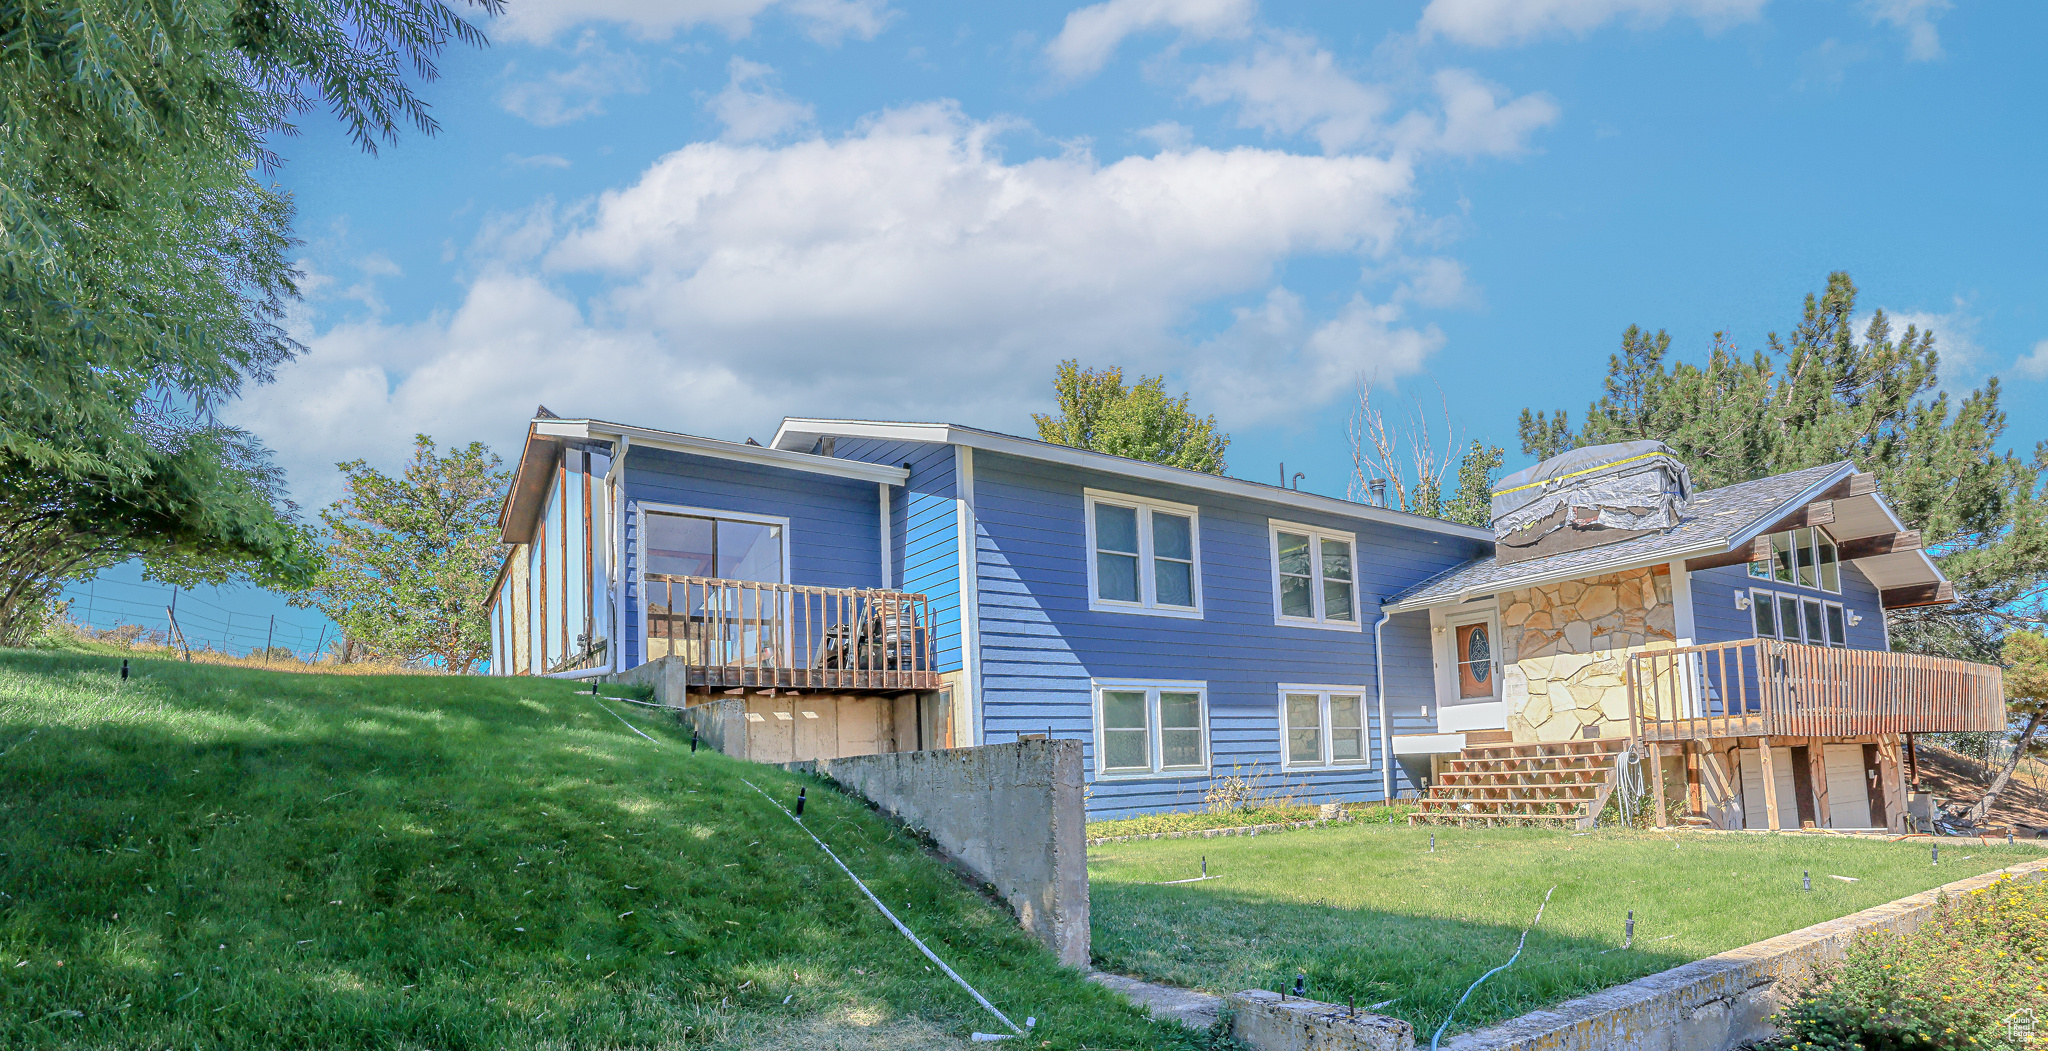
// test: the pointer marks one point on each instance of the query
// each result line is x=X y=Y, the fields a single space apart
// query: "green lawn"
x=1367 y=911
x=223 y=858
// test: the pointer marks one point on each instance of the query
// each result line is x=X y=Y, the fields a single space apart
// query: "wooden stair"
x=1565 y=783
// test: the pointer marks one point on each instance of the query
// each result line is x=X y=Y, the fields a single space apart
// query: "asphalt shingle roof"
x=1715 y=516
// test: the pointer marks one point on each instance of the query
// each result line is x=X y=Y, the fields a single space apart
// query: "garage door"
x=1848 y=785
x=1753 y=815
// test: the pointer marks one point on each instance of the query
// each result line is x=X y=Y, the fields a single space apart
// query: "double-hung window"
x=1323 y=726
x=1144 y=556
x=1798 y=618
x=1315 y=577
x=1149 y=728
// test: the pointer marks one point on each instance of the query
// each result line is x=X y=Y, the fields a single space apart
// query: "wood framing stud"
x=1770 y=779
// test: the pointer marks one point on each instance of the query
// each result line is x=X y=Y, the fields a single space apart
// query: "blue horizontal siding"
x=924 y=534
x=1041 y=645
x=834 y=524
x=1716 y=619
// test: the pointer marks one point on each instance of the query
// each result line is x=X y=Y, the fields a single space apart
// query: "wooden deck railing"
x=746 y=634
x=1768 y=688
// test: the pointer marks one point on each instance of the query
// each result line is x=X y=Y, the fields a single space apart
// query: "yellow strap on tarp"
x=1575 y=474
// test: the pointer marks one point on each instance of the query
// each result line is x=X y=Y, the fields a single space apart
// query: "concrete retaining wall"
x=1010 y=814
x=1715 y=1004
x=1272 y=1022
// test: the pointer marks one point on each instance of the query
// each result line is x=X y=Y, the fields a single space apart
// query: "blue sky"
x=706 y=214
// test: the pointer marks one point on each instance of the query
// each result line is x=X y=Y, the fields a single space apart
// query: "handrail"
x=745 y=633
x=1769 y=688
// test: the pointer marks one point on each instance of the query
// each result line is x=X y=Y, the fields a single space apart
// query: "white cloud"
x=1497 y=23
x=1475 y=121
x=1291 y=86
x=828 y=21
x=539 y=160
x=906 y=270
x=1169 y=135
x=564 y=96
x=752 y=109
x=1091 y=34
x=2034 y=365
x=1914 y=18
x=1271 y=366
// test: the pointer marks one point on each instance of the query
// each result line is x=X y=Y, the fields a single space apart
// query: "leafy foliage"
x=144 y=261
x=412 y=557
x=1823 y=394
x=1950 y=984
x=201 y=510
x=1096 y=411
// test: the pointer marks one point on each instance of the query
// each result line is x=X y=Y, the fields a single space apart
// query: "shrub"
x=1952 y=983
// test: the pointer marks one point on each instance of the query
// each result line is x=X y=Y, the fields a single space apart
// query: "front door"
x=1469 y=687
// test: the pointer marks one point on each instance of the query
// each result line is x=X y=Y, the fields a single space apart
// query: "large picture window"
x=1798 y=618
x=1315 y=577
x=1144 y=556
x=1806 y=558
x=1151 y=729
x=1323 y=726
x=678 y=543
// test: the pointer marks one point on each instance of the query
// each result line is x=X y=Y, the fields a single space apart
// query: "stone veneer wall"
x=1563 y=647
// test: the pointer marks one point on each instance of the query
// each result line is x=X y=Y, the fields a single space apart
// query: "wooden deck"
x=1768 y=688
x=739 y=635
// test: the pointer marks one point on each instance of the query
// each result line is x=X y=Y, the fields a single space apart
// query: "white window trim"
x=1152 y=689
x=1763 y=595
x=1147 y=583
x=1316 y=536
x=1323 y=692
x=1444 y=652
x=642 y=509
x=1840 y=565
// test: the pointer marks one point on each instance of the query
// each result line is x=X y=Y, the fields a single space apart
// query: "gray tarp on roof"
x=1625 y=485
x=1710 y=521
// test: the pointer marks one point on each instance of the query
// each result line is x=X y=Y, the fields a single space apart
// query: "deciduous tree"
x=1097 y=411
x=145 y=256
x=410 y=559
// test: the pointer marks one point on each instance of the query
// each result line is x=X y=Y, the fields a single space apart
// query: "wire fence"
x=111 y=604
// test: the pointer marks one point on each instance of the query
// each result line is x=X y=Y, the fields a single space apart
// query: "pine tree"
x=1823 y=393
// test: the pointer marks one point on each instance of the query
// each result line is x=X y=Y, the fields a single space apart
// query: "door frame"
x=1444 y=624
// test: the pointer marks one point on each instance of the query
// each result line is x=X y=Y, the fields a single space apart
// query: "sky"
x=704 y=215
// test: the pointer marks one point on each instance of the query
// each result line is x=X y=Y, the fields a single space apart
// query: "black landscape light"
x=1205 y=866
x=124 y=678
x=1301 y=986
x=693 y=740
x=1806 y=879
x=1628 y=930
x=1935 y=857
x=800 y=801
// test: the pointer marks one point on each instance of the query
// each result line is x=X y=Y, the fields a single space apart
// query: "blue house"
x=859 y=586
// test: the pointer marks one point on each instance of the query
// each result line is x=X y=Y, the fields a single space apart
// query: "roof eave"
x=793 y=429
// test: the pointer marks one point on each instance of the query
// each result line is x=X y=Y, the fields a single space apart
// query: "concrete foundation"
x=1011 y=815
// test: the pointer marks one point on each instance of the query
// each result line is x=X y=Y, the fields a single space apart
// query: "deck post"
x=1770 y=777
x=1657 y=780
x=1693 y=803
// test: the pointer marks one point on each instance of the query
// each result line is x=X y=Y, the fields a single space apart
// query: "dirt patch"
x=1959 y=781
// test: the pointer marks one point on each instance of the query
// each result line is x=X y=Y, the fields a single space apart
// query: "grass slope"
x=1367 y=911
x=222 y=858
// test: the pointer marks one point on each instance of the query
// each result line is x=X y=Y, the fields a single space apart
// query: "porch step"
x=1565 y=783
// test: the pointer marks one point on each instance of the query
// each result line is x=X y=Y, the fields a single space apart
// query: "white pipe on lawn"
x=1379 y=682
